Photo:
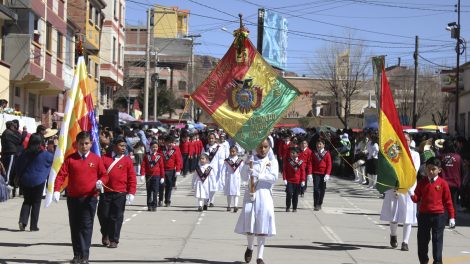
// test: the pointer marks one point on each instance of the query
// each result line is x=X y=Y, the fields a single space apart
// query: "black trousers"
x=186 y=163
x=82 y=212
x=165 y=189
x=111 y=214
x=31 y=205
x=153 y=188
x=430 y=224
x=319 y=187
x=292 y=195
x=194 y=163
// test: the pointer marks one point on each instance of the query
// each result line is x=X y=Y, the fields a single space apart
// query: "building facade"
x=7 y=16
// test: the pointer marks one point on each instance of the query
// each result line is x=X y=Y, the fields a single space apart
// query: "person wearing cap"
x=121 y=187
x=173 y=164
x=86 y=176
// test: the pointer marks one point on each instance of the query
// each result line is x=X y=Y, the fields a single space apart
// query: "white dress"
x=231 y=179
x=216 y=163
x=257 y=217
x=398 y=207
x=201 y=188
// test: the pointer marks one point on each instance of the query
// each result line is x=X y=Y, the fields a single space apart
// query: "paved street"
x=348 y=230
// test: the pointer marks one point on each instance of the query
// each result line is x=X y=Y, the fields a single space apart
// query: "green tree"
x=166 y=101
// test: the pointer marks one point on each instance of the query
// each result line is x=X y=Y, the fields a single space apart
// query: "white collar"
x=433 y=179
x=81 y=154
x=321 y=150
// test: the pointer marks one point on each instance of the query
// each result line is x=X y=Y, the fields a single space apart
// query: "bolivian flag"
x=243 y=94
x=396 y=169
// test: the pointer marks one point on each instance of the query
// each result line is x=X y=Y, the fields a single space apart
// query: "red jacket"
x=283 y=150
x=320 y=163
x=172 y=159
x=122 y=175
x=305 y=155
x=185 y=146
x=158 y=169
x=293 y=171
x=451 y=169
x=198 y=147
x=434 y=197
x=81 y=174
x=192 y=148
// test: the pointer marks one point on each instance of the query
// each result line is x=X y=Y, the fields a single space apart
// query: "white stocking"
x=251 y=240
x=261 y=242
x=236 y=201
x=406 y=232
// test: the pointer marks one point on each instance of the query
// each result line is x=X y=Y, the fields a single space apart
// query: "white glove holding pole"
x=410 y=193
x=327 y=178
x=285 y=182
x=310 y=178
x=99 y=186
x=129 y=199
x=56 y=197
x=178 y=174
x=452 y=223
x=142 y=179
x=302 y=184
x=162 y=180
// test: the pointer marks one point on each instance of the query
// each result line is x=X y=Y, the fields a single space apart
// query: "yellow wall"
x=169 y=22
x=92 y=31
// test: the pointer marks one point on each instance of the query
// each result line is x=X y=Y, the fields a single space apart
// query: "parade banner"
x=79 y=115
x=395 y=169
x=243 y=94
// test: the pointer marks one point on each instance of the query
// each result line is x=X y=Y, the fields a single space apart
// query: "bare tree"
x=342 y=66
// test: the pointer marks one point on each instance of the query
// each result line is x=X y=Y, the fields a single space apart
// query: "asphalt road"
x=347 y=230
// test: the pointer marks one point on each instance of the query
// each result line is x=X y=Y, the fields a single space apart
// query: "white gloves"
x=99 y=185
x=56 y=197
x=162 y=180
x=309 y=178
x=178 y=174
x=129 y=199
x=285 y=182
x=302 y=184
x=327 y=178
x=452 y=223
x=252 y=197
x=410 y=193
x=142 y=178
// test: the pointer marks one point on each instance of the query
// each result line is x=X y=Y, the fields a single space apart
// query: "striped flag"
x=79 y=115
x=243 y=94
x=396 y=169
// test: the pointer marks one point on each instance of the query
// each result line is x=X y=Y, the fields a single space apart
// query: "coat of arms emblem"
x=392 y=150
x=243 y=96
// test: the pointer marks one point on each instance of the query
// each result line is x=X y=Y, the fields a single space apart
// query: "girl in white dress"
x=257 y=216
x=230 y=174
x=216 y=160
x=201 y=181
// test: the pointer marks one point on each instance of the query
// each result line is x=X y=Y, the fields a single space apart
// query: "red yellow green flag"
x=243 y=94
x=396 y=169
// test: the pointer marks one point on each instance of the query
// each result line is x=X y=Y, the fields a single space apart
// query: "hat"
x=439 y=143
x=50 y=132
x=345 y=136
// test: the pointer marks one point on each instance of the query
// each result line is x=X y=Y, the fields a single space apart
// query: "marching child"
x=231 y=175
x=201 y=181
x=305 y=155
x=154 y=170
x=433 y=194
x=294 y=178
x=319 y=170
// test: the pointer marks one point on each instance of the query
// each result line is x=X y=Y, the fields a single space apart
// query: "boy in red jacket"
x=294 y=178
x=86 y=175
x=154 y=171
x=121 y=187
x=319 y=169
x=173 y=165
x=305 y=155
x=433 y=194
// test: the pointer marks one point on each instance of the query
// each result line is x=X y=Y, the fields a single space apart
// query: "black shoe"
x=84 y=261
x=204 y=207
x=319 y=207
x=76 y=260
x=235 y=209
x=167 y=204
x=149 y=209
x=248 y=255
x=112 y=244
x=160 y=204
x=294 y=211
x=316 y=208
x=105 y=241
x=259 y=261
x=287 y=209
x=199 y=208
x=404 y=247
x=154 y=209
x=21 y=226
x=393 y=241
x=301 y=195
x=229 y=209
x=33 y=229
x=211 y=205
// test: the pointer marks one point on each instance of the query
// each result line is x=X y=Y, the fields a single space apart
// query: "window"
x=48 y=37
x=37 y=30
x=17 y=91
x=97 y=70
x=119 y=54
x=69 y=46
x=97 y=18
x=114 y=50
x=115 y=7
x=60 y=52
x=90 y=12
x=182 y=85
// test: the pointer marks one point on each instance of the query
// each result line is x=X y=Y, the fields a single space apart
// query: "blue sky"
x=385 y=27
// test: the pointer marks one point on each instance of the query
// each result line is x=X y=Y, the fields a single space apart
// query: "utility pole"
x=457 y=49
x=415 y=87
x=147 y=70
x=191 y=73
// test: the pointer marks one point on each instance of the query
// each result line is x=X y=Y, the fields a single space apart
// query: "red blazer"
x=122 y=175
x=82 y=175
x=320 y=164
x=434 y=197
x=192 y=148
x=185 y=146
x=305 y=155
x=172 y=159
x=156 y=170
x=283 y=150
x=198 y=147
x=292 y=171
